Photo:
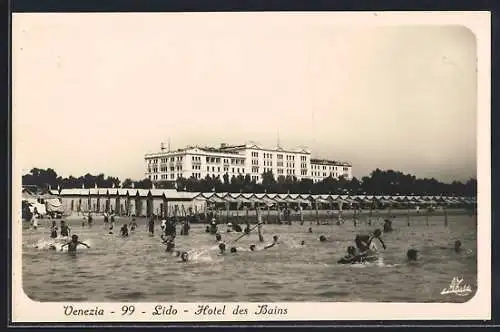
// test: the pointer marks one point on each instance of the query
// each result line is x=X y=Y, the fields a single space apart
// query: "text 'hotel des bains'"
x=198 y=162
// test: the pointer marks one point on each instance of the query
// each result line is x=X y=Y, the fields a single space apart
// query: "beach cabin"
x=141 y=202
x=74 y=200
x=156 y=201
x=130 y=206
x=113 y=197
x=122 y=202
x=94 y=199
x=103 y=200
x=181 y=203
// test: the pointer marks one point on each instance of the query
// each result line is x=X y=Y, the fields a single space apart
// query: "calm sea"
x=138 y=269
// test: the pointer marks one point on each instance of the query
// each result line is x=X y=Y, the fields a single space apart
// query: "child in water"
x=73 y=244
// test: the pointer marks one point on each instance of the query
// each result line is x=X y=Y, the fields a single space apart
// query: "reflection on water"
x=138 y=269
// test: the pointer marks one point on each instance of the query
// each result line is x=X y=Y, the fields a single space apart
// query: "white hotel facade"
x=198 y=162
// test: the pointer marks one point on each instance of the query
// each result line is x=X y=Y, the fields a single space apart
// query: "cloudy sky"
x=95 y=92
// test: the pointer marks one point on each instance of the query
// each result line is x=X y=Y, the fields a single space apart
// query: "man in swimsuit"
x=73 y=244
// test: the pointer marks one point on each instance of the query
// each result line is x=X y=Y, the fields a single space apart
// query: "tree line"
x=378 y=182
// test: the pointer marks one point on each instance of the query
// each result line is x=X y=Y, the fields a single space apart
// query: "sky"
x=92 y=93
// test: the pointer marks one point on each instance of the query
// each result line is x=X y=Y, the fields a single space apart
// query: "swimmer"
x=233 y=250
x=412 y=255
x=310 y=230
x=133 y=225
x=52 y=247
x=207 y=229
x=184 y=256
x=350 y=257
x=252 y=247
x=73 y=244
x=322 y=238
x=365 y=242
x=237 y=228
x=222 y=248
x=124 y=230
x=163 y=225
x=218 y=237
x=84 y=221
x=275 y=242
x=229 y=228
x=106 y=218
x=302 y=242
x=213 y=226
x=458 y=246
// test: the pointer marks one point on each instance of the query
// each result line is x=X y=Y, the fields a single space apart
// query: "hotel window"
x=208 y=168
x=213 y=168
x=232 y=170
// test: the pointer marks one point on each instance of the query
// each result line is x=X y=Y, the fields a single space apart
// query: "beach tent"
x=54 y=205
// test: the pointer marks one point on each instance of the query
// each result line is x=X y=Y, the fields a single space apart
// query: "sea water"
x=137 y=268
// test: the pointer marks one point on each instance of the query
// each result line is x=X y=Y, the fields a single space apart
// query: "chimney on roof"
x=223 y=145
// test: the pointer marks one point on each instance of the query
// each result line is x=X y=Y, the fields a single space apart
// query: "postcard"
x=250 y=166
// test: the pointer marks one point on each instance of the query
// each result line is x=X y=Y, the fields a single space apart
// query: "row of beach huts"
x=169 y=202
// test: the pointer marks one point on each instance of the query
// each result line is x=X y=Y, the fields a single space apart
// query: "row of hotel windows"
x=325 y=174
x=345 y=169
x=278 y=156
x=164 y=160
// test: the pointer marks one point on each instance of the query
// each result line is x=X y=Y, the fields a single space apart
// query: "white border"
x=478 y=308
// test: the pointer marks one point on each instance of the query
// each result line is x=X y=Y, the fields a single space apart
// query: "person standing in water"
x=65 y=230
x=34 y=220
x=106 y=219
x=186 y=226
x=151 y=226
x=90 y=219
x=53 y=232
x=73 y=244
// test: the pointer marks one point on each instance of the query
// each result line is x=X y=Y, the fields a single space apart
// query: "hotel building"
x=198 y=162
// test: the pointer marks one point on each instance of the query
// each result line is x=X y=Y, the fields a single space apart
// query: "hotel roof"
x=329 y=162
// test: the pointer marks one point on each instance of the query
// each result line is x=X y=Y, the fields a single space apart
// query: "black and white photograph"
x=260 y=158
